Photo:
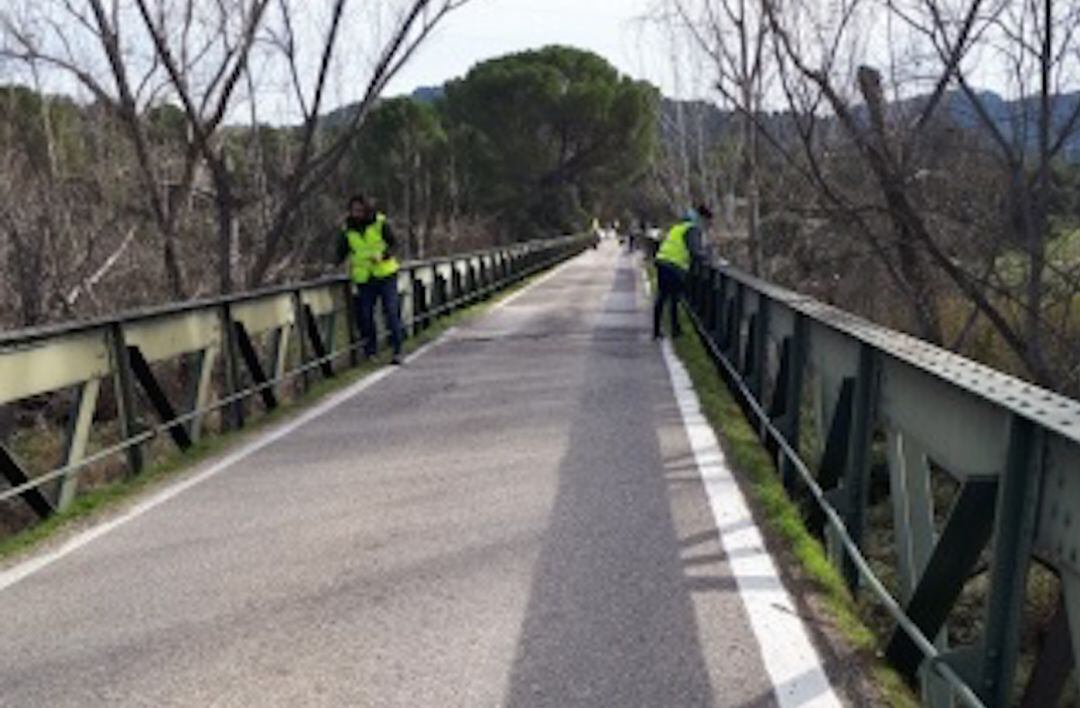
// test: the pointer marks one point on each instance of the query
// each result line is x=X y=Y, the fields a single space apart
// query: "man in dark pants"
x=369 y=243
x=681 y=245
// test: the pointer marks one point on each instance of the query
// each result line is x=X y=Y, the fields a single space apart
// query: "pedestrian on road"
x=682 y=245
x=369 y=243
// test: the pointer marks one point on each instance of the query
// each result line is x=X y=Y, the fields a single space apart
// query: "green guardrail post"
x=1014 y=533
x=351 y=326
x=300 y=325
x=231 y=360
x=124 y=382
x=857 y=470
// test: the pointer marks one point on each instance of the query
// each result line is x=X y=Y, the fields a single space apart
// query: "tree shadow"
x=610 y=618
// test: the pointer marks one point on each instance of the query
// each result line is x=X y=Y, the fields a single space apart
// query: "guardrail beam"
x=1014 y=534
x=965 y=536
x=79 y=424
x=254 y=366
x=1054 y=664
x=125 y=396
x=15 y=475
x=154 y=393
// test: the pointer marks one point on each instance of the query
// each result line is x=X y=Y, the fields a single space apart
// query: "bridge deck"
x=515 y=518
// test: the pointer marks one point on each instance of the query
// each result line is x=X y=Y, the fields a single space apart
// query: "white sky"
x=483 y=29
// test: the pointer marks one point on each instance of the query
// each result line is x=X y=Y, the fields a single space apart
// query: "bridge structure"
x=533 y=511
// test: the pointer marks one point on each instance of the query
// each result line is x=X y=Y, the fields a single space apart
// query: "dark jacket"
x=694 y=243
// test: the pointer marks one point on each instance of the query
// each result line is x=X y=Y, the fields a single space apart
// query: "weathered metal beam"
x=419 y=306
x=14 y=473
x=913 y=512
x=234 y=418
x=203 y=390
x=1054 y=663
x=719 y=306
x=317 y=345
x=760 y=347
x=254 y=366
x=731 y=327
x=749 y=361
x=857 y=468
x=79 y=424
x=778 y=405
x=835 y=455
x=157 y=397
x=125 y=396
x=51 y=365
x=963 y=540
x=793 y=395
x=352 y=326
x=1014 y=534
x=171 y=335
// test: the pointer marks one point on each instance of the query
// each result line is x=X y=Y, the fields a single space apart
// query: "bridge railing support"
x=290 y=331
x=904 y=430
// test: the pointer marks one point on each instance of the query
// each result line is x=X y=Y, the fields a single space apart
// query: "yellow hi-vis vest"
x=366 y=248
x=673 y=249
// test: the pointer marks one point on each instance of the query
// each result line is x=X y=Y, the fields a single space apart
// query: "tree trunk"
x=226 y=228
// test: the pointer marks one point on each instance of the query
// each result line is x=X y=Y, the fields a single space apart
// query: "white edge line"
x=790 y=658
x=26 y=568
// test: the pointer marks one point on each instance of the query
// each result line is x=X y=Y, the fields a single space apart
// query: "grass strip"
x=753 y=464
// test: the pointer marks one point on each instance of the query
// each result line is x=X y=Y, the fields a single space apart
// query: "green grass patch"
x=752 y=462
x=96 y=503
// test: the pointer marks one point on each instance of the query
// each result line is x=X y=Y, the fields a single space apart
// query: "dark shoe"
x=396 y=361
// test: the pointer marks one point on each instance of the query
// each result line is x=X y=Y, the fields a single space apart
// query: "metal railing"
x=887 y=411
x=217 y=338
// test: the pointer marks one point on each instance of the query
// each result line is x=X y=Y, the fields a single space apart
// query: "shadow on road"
x=610 y=619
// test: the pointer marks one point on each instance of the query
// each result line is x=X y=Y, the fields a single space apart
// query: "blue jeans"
x=384 y=289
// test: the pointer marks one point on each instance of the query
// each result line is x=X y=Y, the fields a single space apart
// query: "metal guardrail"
x=803 y=370
x=217 y=338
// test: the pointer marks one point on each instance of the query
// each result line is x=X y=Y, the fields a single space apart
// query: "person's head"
x=358 y=207
x=704 y=213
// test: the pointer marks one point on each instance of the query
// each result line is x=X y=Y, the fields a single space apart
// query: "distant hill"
x=1012 y=118
x=341 y=116
x=429 y=94
x=1016 y=120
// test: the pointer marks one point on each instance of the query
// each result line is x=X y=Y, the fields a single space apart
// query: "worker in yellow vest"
x=369 y=244
x=677 y=251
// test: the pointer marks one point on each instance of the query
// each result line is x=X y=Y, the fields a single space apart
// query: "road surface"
x=516 y=518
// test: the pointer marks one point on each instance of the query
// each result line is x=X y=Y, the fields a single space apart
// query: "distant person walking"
x=368 y=242
x=680 y=247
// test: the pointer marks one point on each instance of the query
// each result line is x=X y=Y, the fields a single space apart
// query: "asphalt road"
x=515 y=518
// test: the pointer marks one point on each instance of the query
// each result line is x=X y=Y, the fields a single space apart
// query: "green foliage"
x=24 y=117
x=400 y=143
x=549 y=136
x=538 y=142
x=167 y=123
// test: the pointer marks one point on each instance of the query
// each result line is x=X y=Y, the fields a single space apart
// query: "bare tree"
x=895 y=144
x=410 y=25
x=42 y=34
x=734 y=35
x=199 y=55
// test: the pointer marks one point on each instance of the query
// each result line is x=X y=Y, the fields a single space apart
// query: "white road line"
x=790 y=659
x=34 y=564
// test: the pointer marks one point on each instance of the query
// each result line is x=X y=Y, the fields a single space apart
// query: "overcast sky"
x=483 y=29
